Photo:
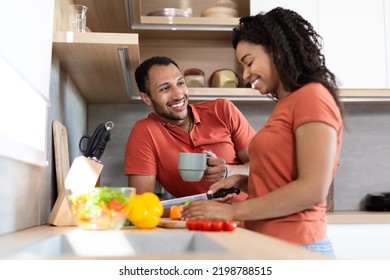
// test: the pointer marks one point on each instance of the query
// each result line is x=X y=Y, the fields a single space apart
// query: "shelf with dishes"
x=212 y=15
x=190 y=21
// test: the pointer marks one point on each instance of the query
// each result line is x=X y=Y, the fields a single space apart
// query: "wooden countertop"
x=358 y=217
x=239 y=244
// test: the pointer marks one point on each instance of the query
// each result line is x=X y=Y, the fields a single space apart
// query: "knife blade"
x=204 y=196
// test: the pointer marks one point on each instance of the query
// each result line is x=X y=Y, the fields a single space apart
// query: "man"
x=215 y=127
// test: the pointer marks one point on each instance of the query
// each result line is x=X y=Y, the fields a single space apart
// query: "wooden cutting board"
x=61 y=214
x=83 y=173
x=168 y=223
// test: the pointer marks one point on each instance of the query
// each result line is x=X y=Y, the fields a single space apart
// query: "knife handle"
x=223 y=193
x=101 y=144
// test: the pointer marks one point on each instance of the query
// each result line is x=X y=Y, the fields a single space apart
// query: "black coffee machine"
x=378 y=201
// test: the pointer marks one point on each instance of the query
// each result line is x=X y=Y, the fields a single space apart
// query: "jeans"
x=323 y=246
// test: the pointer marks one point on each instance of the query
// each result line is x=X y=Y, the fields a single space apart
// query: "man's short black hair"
x=142 y=71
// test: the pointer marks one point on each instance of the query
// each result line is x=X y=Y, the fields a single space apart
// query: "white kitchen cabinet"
x=306 y=8
x=354 y=42
x=360 y=241
x=353 y=33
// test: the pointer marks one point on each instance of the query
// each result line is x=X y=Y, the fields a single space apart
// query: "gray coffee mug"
x=192 y=166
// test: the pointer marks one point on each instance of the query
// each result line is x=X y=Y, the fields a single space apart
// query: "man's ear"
x=145 y=98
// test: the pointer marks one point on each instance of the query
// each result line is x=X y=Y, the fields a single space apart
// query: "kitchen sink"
x=95 y=244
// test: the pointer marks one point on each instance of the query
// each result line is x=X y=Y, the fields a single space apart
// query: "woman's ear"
x=145 y=98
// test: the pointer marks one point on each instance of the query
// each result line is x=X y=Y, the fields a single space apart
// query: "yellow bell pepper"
x=146 y=211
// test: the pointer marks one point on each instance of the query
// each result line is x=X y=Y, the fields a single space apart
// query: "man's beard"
x=167 y=115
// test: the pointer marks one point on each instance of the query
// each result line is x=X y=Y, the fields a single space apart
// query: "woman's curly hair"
x=294 y=45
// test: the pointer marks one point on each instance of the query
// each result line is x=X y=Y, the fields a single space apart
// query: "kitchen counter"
x=33 y=243
x=358 y=217
x=239 y=244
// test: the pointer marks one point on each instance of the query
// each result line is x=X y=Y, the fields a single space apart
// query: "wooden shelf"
x=365 y=95
x=92 y=61
x=253 y=92
x=365 y=92
x=248 y=94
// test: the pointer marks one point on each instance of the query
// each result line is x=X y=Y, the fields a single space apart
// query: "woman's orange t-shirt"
x=273 y=161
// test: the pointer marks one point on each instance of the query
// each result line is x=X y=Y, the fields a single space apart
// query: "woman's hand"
x=237 y=181
x=208 y=209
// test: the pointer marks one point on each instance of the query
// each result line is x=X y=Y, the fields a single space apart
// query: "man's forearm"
x=237 y=169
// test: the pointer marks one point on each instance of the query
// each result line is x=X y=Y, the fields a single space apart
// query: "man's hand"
x=217 y=168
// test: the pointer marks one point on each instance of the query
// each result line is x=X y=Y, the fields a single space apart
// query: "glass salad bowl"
x=102 y=208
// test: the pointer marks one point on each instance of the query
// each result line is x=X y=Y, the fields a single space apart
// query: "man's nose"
x=177 y=92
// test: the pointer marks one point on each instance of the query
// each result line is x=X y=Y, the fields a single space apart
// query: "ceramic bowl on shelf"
x=220 y=12
x=102 y=208
x=171 y=12
x=224 y=78
x=194 y=78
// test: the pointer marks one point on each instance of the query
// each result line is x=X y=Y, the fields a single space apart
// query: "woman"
x=294 y=156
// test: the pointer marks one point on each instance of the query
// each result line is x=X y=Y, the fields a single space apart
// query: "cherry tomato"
x=189 y=224
x=229 y=225
x=115 y=204
x=207 y=225
x=193 y=224
x=217 y=225
x=197 y=224
x=210 y=225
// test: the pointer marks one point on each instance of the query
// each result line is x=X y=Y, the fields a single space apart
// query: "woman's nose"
x=245 y=74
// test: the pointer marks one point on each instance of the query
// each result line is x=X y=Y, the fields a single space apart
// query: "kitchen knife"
x=96 y=143
x=204 y=196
